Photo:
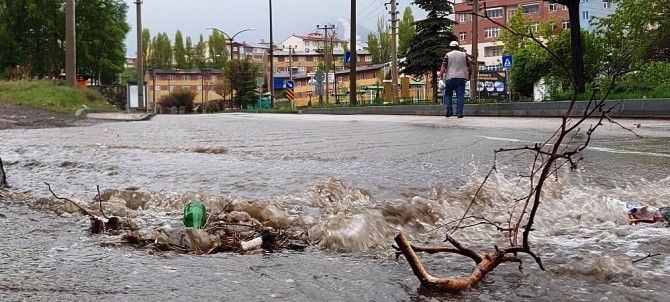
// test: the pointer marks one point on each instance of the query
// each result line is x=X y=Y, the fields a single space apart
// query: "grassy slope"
x=49 y=96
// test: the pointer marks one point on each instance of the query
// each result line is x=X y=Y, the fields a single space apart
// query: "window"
x=157 y=88
x=606 y=4
x=199 y=88
x=306 y=43
x=186 y=87
x=171 y=88
x=495 y=12
x=199 y=77
x=158 y=77
x=534 y=27
x=552 y=7
x=368 y=58
x=361 y=76
x=302 y=59
x=585 y=14
x=462 y=36
x=565 y=7
x=492 y=32
x=186 y=77
x=461 y=18
x=302 y=69
x=171 y=77
x=530 y=8
x=213 y=77
x=566 y=24
x=275 y=59
x=495 y=52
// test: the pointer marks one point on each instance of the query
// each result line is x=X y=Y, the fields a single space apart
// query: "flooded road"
x=353 y=182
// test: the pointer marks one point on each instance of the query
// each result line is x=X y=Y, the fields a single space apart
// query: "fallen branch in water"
x=649 y=255
x=97 y=225
x=3 y=176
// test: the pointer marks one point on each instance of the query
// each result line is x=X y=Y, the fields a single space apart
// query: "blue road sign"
x=347 y=57
x=507 y=61
x=289 y=84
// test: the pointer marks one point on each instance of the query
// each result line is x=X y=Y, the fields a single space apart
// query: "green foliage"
x=379 y=43
x=32 y=34
x=218 y=50
x=428 y=47
x=531 y=63
x=638 y=27
x=180 y=54
x=50 y=96
x=179 y=98
x=161 y=51
x=406 y=31
x=241 y=75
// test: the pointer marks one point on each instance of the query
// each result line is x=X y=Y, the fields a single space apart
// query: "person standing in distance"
x=455 y=71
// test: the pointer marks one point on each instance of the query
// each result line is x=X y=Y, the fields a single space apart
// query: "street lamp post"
x=231 y=48
x=231 y=38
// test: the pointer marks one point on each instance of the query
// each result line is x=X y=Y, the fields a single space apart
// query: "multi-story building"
x=161 y=82
x=502 y=10
x=308 y=62
x=312 y=42
x=490 y=49
x=591 y=10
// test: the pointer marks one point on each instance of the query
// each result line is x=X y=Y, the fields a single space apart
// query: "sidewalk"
x=127 y=117
x=644 y=108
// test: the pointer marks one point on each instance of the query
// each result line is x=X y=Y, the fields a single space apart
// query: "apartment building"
x=162 y=81
x=308 y=61
x=591 y=10
x=490 y=49
x=502 y=10
x=312 y=42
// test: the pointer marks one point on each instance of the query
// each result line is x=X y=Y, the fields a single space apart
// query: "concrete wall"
x=652 y=108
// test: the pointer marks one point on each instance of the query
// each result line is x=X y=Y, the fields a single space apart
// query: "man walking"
x=455 y=71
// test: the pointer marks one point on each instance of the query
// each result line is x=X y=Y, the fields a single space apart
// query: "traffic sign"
x=507 y=61
x=347 y=57
x=289 y=84
x=290 y=94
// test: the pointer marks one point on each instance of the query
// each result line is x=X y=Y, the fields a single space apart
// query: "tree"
x=218 y=50
x=146 y=45
x=32 y=34
x=199 y=51
x=406 y=31
x=379 y=43
x=561 y=151
x=242 y=76
x=576 y=49
x=180 y=54
x=161 y=51
x=640 y=27
x=428 y=47
x=190 y=54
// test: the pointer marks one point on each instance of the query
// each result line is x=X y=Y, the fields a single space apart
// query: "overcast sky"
x=231 y=16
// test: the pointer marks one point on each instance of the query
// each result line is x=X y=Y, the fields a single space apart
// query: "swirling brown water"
x=350 y=182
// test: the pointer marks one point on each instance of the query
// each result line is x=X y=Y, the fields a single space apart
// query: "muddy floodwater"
x=351 y=183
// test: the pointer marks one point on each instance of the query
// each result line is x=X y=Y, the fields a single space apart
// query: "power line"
x=375 y=11
x=369 y=5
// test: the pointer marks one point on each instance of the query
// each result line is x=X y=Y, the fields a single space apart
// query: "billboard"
x=491 y=85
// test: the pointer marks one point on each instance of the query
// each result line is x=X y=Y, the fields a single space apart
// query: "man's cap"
x=453 y=44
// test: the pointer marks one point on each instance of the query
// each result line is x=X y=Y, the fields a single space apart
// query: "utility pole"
x=272 y=66
x=394 y=49
x=325 y=56
x=71 y=47
x=140 y=59
x=354 y=56
x=290 y=62
x=475 y=49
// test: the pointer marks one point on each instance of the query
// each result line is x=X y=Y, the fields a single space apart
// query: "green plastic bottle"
x=195 y=215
